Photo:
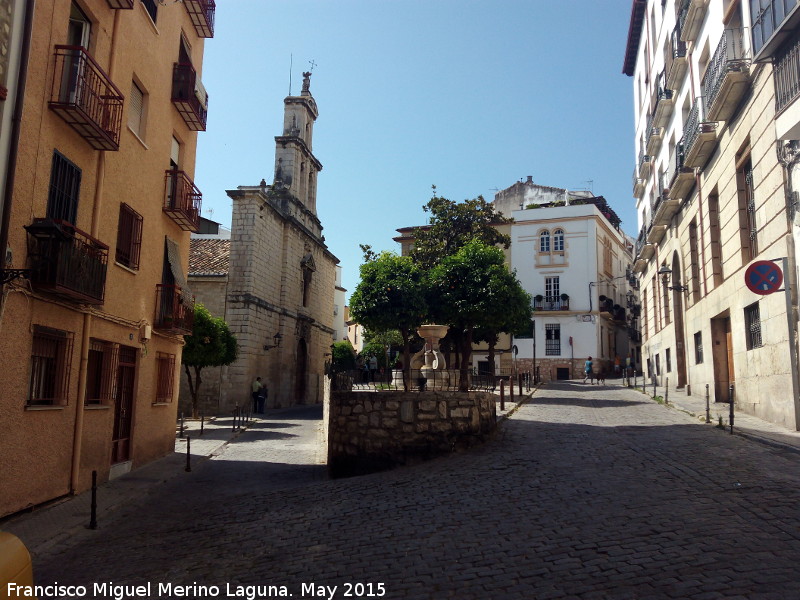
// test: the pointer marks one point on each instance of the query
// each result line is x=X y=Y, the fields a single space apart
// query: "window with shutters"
x=136 y=110
x=165 y=388
x=129 y=237
x=64 y=192
x=51 y=357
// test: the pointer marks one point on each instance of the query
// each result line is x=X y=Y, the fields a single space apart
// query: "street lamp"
x=277 y=342
x=665 y=272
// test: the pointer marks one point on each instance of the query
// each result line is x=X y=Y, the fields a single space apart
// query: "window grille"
x=166 y=377
x=698 y=348
x=129 y=237
x=100 y=371
x=51 y=357
x=752 y=319
x=668 y=359
x=65 y=186
x=552 y=341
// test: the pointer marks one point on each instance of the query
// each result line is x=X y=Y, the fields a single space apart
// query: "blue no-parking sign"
x=763 y=277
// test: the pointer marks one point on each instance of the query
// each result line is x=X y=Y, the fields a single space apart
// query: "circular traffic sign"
x=763 y=277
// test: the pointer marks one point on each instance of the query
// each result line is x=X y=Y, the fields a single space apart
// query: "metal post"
x=666 y=392
x=188 y=454
x=181 y=433
x=234 y=419
x=519 y=382
x=93 y=518
x=502 y=394
x=202 y=422
x=730 y=396
x=654 y=387
x=511 y=388
x=708 y=406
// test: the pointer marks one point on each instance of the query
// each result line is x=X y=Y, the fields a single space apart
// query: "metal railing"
x=551 y=303
x=787 y=76
x=184 y=96
x=731 y=53
x=420 y=380
x=182 y=200
x=67 y=261
x=86 y=98
x=173 y=313
x=201 y=13
x=697 y=115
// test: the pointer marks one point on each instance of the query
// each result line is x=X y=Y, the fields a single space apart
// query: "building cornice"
x=634 y=36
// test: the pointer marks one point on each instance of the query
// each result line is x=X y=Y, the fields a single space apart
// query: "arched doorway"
x=677 y=303
x=300 y=372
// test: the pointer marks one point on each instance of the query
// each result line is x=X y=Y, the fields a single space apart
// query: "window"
x=766 y=17
x=151 y=6
x=544 y=241
x=552 y=289
x=80 y=28
x=65 y=187
x=658 y=364
x=698 y=348
x=665 y=298
x=51 y=357
x=694 y=261
x=136 y=111
x=129 y=237
x=608 y=263
x=100 y=371
x=165 y=369
x=552 y=339
x=752 y=322
x=714 y=229
x=668 y=359
x=558 y=240
x=747 y=210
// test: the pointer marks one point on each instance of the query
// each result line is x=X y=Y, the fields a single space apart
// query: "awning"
x=174 y=259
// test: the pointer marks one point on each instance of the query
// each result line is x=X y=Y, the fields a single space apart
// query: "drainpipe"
x=16 y=120
x=77 y=441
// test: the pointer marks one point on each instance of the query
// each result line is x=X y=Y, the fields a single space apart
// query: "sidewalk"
x=44 y=526
x=744 y=425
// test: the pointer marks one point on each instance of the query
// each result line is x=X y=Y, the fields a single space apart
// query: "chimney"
x=530 y=179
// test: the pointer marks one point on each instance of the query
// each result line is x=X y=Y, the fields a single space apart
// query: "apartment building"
x=715 y=112
x=97 y=211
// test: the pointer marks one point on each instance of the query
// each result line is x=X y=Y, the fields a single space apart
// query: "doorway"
x=300 y=373
x=722 y=354
x=123 y=405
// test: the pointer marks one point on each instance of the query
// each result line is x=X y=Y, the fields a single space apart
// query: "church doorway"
x=300 y=373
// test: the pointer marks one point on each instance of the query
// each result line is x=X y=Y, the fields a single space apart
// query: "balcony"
x=727 y=78
x=201 y=13
x=655 y=233
x=174 y=310
x=182 y=200
x=664 y=209
x=67 y=262
x=126 y=4
x=189 y=96
x=691 y=17
x=679 y=177
x=550 y=303
x=774 y=22
x=638 y=184
x=642 y=251
x=654 y=139
x=85 y=97
x=677 y=60
x=700 y=136
x=787 y=76
x=645 y=164
x=664 y=102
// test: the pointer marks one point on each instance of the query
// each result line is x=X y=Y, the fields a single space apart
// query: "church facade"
x=280 y=281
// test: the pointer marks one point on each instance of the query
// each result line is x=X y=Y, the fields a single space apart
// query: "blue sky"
x=469 y=95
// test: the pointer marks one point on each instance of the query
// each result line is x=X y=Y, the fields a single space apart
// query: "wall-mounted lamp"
x=277 y=342
x=665 y=272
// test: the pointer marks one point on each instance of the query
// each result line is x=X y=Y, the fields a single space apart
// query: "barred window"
x=100 y=369
x=698 y=348
x=668 y=359
x=129 y=237
x=752 y=320
x=65 y=187
x=552 y=341
x=51 y=357
x=166 y=377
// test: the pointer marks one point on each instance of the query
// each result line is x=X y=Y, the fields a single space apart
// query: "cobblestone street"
x=586 y=492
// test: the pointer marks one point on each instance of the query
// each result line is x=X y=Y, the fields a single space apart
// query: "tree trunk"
x=194 y=387
x=492 y=344
x=406 y=359
x=466 y=353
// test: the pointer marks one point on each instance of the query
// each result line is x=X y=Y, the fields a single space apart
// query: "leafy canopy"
x=211 y=344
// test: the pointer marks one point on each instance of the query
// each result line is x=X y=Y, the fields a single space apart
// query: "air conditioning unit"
x=201 y=94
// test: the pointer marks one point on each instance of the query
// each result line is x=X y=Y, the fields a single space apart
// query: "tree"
x=390 y=295
x=469 y=291
x=452 y=225
x=211 y=345
x=343 y=356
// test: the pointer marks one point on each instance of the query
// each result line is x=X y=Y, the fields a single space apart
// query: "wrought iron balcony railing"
x=66 y=261
x=787 y=75
x=693 y=121
x=174 y=312
x=85 y=97
x=120 y=3
x=201 y=13
x=189 y=96
x=551 y=303
x=182 y=200
x=731 y=53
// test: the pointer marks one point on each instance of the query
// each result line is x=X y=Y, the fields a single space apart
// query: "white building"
x=715 y=93
x=339 y=299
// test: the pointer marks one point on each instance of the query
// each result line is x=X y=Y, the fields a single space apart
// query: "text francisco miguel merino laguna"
x=107 y=590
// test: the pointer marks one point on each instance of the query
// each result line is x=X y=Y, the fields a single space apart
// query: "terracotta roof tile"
x=209 y=257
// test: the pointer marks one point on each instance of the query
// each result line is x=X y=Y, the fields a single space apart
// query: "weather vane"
x=312 y=63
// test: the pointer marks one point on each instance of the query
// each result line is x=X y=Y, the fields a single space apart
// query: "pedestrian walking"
x=263 y=394
x=373 y=366
x=587 y=370
x=256 y=393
